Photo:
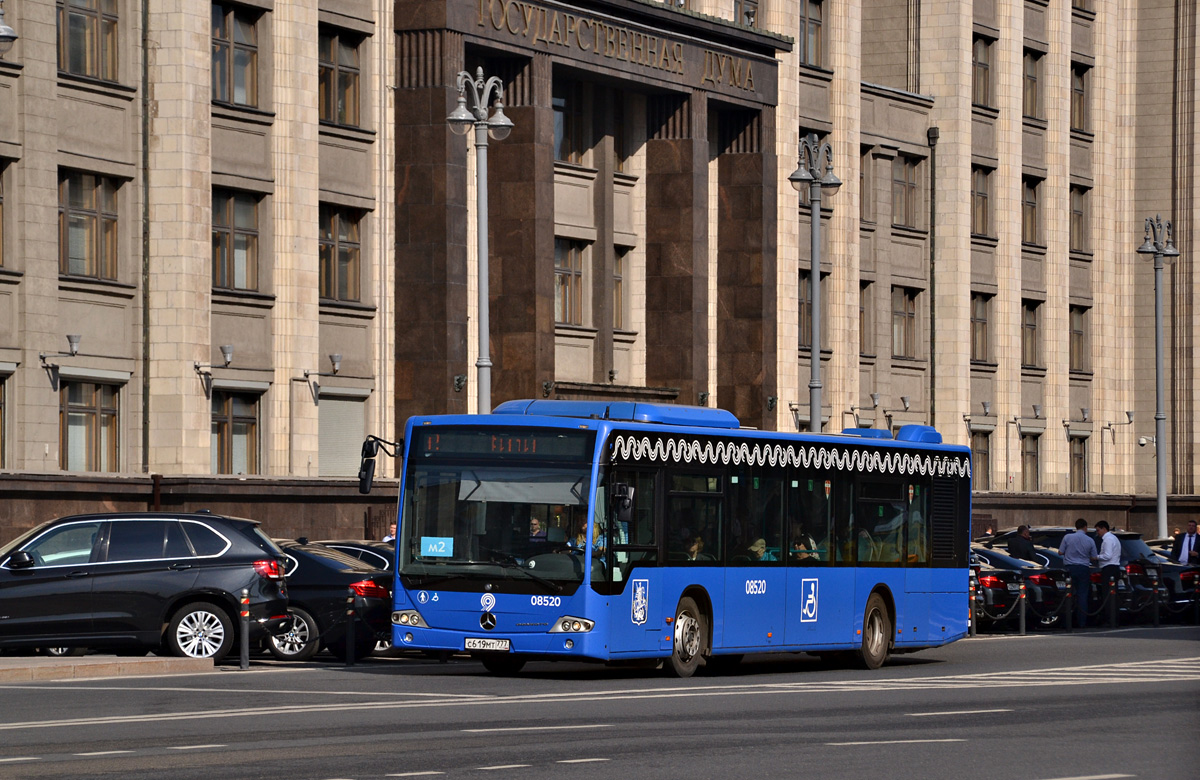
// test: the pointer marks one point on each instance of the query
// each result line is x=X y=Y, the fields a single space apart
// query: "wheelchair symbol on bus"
x=808 y=601
x=641 y=602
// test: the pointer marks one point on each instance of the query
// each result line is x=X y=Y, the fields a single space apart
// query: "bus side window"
x=638 y=531
x=918 y=526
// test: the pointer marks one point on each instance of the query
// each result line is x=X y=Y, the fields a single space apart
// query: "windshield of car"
x=1132 y=549
x=466 y=520
x=334 y=558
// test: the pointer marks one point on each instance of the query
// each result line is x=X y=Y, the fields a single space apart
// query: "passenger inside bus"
x=803 y=546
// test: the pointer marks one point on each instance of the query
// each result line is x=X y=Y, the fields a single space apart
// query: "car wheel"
x=690 y=633
x=301 y=640
x=504 y=664
x=65 y=652
x=200 y=630
x=876 y=633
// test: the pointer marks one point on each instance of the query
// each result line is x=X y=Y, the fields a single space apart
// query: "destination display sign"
x=503 y=443
x=597 y=40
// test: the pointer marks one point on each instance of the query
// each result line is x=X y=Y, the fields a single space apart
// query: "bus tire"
x=503 y=664
x=691 y=630
x=876 y=633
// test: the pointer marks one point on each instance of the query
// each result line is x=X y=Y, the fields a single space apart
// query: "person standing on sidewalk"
x=1078 y=551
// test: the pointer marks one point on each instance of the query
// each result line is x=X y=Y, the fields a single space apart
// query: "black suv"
x=116 y=580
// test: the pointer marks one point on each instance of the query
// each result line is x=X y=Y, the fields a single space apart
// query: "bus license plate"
x=479 y=643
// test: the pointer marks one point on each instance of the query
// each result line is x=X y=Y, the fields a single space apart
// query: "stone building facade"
x=275 y=181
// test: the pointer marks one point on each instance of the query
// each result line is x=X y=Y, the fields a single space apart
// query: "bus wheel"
x=690 y=632
x=503 y=664
x=877 y=633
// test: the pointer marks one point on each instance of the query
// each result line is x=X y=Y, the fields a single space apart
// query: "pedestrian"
x=391 y=534
x=1078 y=551
x=1110 y=553
x=1021 y=545
x=1185 y=550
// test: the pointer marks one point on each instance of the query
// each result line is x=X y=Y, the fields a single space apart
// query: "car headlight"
x=409 y=618
x=572 y=625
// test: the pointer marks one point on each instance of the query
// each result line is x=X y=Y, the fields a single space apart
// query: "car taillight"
x=369 y=589
x=989 y=581
x=269 y=568
x=1044 y=580
x=1134 y=568
x=1188 y=578
x=1095 y=577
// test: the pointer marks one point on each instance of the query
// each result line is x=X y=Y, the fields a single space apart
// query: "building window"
x=904 y=191
x=568 y=282
x=235 y=240
x=981 y=460
x=1029 y=211
x=1030 y=101
x=338 y=69
x=620 y=291
x=866 y=323
x=87 y=225
x=745 y=12
x=1029 y=463
x=904 y=322
x=568 y=121
x=88 y=427
x=1079 y=98
x=864 y=186
x=1030 y=354
x=87 y=38
x=809 y=40
x=620 y=133
x=234 y=433
x=1079 y=339
x=1079 y=481
x=234 y=56
x=979 y=327
x=1079 y=220
x=981 y=224
x=981 y=74
x=341 y=254
x=806 y=312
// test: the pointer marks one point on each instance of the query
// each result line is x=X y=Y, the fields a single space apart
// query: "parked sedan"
x=1045 y=588
x=140 y=581
x=320 y=581
x=998 y=592
x=381 y=555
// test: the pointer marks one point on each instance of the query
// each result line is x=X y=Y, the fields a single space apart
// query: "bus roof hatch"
x=663 y=414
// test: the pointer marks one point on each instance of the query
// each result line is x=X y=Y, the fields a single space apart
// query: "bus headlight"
x=572 y=625
x=408 y=617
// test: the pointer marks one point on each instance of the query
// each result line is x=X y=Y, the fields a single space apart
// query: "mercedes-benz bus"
x=625 y=531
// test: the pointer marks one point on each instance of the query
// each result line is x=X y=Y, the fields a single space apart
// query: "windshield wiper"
x=553 y=587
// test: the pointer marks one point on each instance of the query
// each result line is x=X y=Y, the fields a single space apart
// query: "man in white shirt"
x=1186 y=549
x=1110 y=553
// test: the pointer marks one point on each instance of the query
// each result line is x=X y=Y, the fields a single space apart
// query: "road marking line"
x=104 y=753
x=502 y=766
x=1093 y=777
x=14 y=760
x=896 y=742
x=195 y=747
x=582 y=760
x=957 y=712
x=415 y=774
x=540 y=728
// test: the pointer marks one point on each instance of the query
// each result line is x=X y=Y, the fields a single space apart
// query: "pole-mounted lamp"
x=1112 y=431
x=8 y=36
x=854 y=410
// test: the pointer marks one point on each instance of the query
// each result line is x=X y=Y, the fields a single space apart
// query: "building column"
x=677 y=245
x=180 y=190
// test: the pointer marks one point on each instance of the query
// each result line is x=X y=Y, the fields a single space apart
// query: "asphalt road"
x=1095 y=704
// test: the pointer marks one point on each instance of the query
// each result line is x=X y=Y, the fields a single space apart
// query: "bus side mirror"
x=366 y=469
x=621 y=496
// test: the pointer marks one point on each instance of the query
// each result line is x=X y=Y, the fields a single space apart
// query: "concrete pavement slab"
x=29 y=668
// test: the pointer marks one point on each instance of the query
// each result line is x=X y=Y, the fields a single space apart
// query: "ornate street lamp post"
x=808 y=173
x=480 y=93
x=1160 y=243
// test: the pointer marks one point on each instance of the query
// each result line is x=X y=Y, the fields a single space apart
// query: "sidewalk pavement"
x=19 y=668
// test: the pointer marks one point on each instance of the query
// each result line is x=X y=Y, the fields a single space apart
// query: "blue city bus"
x=624 y=531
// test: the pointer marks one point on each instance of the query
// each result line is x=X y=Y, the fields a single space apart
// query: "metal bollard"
x=1112 y=602
x=1154 y=584
x=350 y=629
x=1070 y=608
x=1021 y=610
x=245 y=630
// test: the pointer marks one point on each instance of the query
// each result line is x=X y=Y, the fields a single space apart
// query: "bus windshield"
x=511 y=520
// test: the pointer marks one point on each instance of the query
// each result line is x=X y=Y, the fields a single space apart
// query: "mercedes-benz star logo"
x=487 y=621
